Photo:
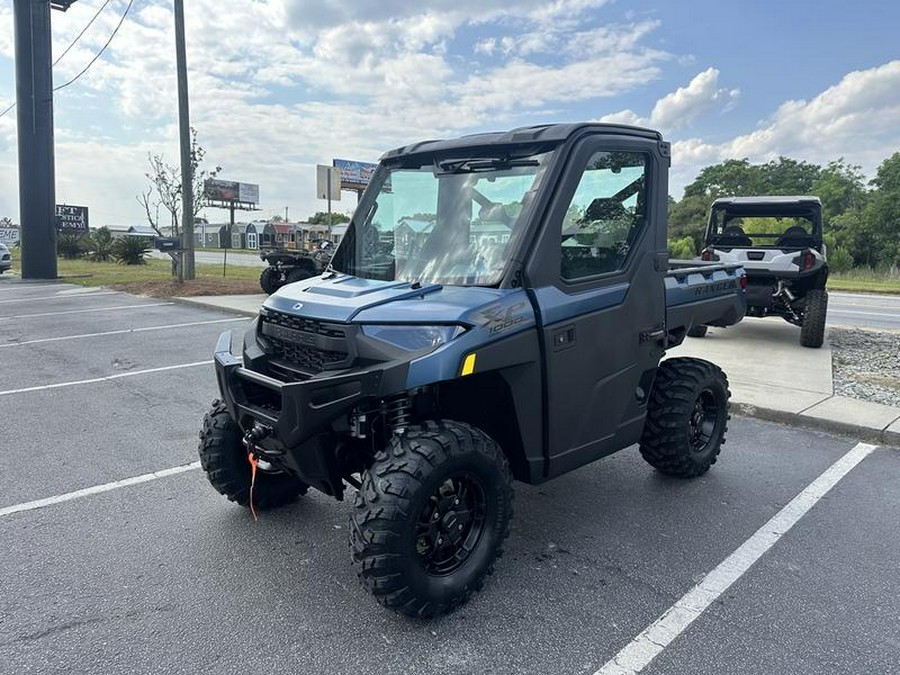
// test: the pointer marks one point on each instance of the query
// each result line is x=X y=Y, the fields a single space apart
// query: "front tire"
x=270 y=280
x=687 y=417
x=697 y=331
x=812 y=332
x=431 y=517
x=224 y=459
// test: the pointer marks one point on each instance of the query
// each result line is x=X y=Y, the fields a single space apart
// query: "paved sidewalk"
x=771 y=375
x=774 y=378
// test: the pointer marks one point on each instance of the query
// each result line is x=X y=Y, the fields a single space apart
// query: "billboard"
x=230 y=191
x=354 y=175
x=71 y=219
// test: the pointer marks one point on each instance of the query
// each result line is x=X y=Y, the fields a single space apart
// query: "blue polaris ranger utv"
x=497 y=310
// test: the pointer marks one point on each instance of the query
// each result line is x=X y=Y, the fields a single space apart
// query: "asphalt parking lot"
x=166 y=576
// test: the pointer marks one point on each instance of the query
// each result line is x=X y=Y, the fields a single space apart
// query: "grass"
x=864 y=281
x=155 y=277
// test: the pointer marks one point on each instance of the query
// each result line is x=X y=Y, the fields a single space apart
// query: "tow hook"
x=251 y=441
x=253 y=437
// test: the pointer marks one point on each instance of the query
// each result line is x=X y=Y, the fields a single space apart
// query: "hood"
x=351 y=299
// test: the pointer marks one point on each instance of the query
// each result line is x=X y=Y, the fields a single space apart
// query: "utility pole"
x=34 y=100
x=184 y=123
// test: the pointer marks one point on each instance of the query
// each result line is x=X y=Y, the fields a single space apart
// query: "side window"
x=605 y=216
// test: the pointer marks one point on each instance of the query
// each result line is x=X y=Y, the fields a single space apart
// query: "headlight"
x=413 y=338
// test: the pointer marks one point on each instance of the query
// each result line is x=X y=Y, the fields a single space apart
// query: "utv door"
x=602 y=309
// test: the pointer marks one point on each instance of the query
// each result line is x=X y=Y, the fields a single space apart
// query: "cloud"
x=682 y=107
x=279 y=85
x=857 y=119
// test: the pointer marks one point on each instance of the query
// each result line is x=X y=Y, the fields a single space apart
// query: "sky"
x=278 y=86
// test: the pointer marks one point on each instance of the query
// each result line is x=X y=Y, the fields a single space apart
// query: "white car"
x=5 y=258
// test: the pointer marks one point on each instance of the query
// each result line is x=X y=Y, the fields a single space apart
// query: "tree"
x=841 y=187
x=682 y=249
x=687 y=218
x=731 y=178
x=786 y=176
x=321 y=218
x=164 y=191
x=882 y=217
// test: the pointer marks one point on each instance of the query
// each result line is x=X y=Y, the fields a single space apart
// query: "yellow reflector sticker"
x=469 y=365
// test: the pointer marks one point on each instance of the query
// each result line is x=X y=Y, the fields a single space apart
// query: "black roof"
x=543 y=133
x=772 y=206
x=775 y=201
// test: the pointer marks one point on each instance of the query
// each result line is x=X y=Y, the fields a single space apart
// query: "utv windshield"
x=447 y=220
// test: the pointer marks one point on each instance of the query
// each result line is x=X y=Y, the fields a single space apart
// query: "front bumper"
x=295 y=412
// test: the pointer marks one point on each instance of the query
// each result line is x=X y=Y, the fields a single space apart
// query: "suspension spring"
x=399 y=413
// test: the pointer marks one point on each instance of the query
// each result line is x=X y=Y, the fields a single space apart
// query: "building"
x=120 y=231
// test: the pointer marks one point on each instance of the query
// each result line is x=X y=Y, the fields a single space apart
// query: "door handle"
x=654 y=335
x=563 y=338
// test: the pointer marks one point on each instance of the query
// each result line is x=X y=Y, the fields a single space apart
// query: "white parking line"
x=638 y=654
x=120 y=332
x=95 y=309
x=97 y=489
x=70 y=296
x=24 y=285
x=105 y=378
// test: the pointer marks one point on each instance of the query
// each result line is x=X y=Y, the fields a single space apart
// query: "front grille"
x=301 y=324
x=304 y=347
x=308 y=359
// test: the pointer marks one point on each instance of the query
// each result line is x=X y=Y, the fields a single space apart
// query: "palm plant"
x=130 y=250
x=99 y=245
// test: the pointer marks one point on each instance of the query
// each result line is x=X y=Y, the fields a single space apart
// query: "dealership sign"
x=231 y=191
x=71 y=219
x=9 y=234
x=354 y=175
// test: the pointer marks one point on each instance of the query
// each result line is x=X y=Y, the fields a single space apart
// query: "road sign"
x=328 y=182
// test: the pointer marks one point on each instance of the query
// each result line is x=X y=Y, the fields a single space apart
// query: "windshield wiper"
x=473 y=164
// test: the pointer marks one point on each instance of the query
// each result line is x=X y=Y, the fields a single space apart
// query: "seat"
x=793 y=237
x=733 y=235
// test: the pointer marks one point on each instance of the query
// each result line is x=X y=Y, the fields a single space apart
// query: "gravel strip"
x=866 y=364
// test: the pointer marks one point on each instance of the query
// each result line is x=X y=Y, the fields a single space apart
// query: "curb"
x=878 y=436
x=196 y=303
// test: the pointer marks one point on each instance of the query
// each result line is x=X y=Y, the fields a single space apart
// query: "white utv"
x=778 y=240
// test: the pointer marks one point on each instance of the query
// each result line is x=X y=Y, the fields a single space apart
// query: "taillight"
x=706 y=255
x=808 y=260
x=744 y=282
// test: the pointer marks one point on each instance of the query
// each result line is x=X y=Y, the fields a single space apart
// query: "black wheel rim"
x=451 y=524
x=704 y=418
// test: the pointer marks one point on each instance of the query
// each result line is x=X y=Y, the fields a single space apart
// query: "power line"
x=72 y=44
x=102 y=49
x=83 y=31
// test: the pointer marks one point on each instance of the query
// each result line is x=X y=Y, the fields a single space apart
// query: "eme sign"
x=71 y=219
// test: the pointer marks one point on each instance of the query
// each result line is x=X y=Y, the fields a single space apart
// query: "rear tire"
x=697 y=331
x=224 y=459
x=812 y=332
x=687 y=417
x=431 y=517
x=270 y=280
